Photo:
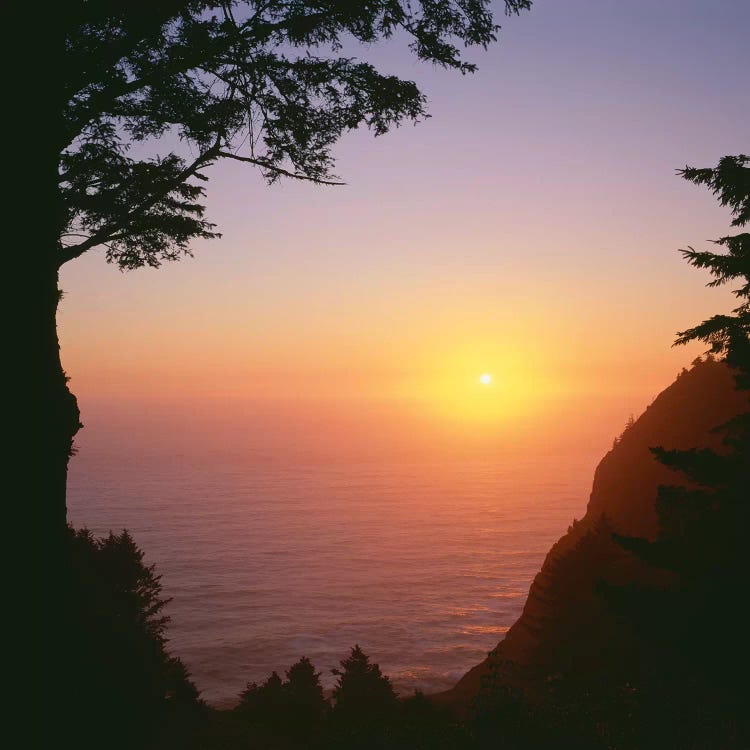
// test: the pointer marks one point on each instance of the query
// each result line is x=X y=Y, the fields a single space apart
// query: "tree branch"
x=106 y=233
x=279 y=170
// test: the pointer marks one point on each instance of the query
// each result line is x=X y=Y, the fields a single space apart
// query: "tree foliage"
x=362 y=689
x=729 y=181
x=714 y=508
x=264 y=82
x=703 y=526
x=293 y=708
x=263 y=703
x=303 y=695
x=365 y=705
x=120 y=680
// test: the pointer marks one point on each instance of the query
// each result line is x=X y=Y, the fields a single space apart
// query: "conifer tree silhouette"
x=304 y=699
x=365 y=703
x=120 y=681
x=703 y=523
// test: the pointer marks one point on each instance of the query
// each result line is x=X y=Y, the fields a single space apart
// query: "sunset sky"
x=528 y=230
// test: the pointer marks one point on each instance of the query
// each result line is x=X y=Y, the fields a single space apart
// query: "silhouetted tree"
x=628 y=425
x=361 y=687
x=263 y=703
x=303 y=698
x=727 y=335
x=139 y=99
x=703 y=528
x=703 y=525
x=284 y=713
x=365 y=703
x=120 y=682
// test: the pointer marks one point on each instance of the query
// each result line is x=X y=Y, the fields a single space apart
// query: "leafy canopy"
x=264 y=82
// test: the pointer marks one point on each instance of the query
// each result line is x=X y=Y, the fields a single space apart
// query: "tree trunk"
x=40 y=413
x=48 y=411
x=47 y=422
x=60 y=407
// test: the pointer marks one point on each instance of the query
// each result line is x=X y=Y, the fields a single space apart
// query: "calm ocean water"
x=425 y=566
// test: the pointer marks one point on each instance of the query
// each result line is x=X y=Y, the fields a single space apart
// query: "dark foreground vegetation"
x=124 y=686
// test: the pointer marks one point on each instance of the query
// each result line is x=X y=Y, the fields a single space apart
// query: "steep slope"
x=565 y=627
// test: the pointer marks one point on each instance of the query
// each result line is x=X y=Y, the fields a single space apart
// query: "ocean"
x=425 y=566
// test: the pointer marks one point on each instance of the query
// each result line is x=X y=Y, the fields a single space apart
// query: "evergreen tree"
x=303 y=698
x=263 y=702
x=726 y=334
x=702 y=526
x=121 y=682
x=284 y=713
x=362 y=689
x=365 y=703
x=695 y=656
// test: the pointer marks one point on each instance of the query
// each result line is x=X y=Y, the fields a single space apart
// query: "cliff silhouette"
x=566 y=627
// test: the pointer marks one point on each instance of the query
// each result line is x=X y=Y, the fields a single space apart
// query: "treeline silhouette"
x=124 y=690
x=125 y=686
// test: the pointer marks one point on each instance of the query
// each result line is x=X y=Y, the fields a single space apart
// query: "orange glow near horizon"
x=363 y=317
x=350 y=386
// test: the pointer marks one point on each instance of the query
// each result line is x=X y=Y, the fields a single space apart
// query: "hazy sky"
x=529 y=229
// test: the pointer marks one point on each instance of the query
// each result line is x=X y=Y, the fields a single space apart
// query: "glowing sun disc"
x=485 y=379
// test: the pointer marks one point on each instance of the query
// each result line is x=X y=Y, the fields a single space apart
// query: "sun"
x=485 y=378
